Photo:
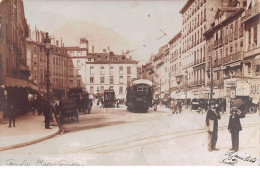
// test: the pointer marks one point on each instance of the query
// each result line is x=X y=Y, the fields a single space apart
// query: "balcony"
x=231 y=58
x=251 y=12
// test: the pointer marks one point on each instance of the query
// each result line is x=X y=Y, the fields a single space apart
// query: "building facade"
x=109 y=71
x=14 y=73
x=175 y=65
x=37 y=63
x=198 y=15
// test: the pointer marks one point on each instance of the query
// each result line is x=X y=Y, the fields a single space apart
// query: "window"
x=142 y=90
x=71 y=82
x=102 y=70
x=218 y=75
x=121 y=80
x=91 y=89
x=226 y=51
x=78 y=83
x=111 y=70
x=91 y=70
x=128 y=79
x=102 y=89
x=102 y=79
x=6 y=30
x=231 y=49
x=78 y=63
x=121 y=70
x=111 y=80
x=255 y=36
x=128 y=70
x=236 y=26
x=91 y=79
x=121 y=90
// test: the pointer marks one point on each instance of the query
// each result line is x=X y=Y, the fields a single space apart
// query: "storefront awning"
x=15 y=82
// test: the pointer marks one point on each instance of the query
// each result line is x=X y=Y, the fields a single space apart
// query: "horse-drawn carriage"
x=77 y=101
x=68 y=109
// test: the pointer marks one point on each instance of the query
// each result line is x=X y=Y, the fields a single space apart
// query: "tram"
x=139 y=95
x=109 y=98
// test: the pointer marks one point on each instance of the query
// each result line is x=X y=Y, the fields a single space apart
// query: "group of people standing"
x=234 y=126
x=176 y=106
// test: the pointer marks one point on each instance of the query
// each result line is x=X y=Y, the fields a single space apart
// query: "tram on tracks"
x=139 y=95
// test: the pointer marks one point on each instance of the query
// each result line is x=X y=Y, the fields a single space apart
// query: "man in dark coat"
x=234 y=126
x=47 y=114
x=11 y=113
x=212 y=116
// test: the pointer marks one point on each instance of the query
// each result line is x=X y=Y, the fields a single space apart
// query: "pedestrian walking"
x=212 y=118
x=173 y=107
x=234 y=127
x=102 y=103
x=11 y=113
x=47 y=114
x=179 y=104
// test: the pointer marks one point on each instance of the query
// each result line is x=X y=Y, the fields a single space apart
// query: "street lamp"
x=186 y=90
x=210 y=75
x=47 y=42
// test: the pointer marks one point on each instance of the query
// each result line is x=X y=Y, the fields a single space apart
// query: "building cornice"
x=188 y=3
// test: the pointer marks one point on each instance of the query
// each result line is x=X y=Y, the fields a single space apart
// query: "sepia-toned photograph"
x=129 y=83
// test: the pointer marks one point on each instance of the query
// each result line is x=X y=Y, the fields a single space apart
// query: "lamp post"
x=186 y=90
x=210 y=75
x=47 y=42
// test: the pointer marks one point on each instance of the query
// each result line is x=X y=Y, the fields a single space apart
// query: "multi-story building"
x=76 y=66
x=198 y=15
x=37 y=62
x=225 y=51
x=160 y=67
x=251 y=66
x=175 y=66
x=14 y=73
x=109 y=71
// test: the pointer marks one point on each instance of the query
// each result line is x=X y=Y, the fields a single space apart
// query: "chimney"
x=61 y=44
x=57 y=43
x=92 y=49
x=104 y=51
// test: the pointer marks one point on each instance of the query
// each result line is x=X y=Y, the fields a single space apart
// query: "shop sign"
x=231 y=83
x=250 y=87
x=242 y=89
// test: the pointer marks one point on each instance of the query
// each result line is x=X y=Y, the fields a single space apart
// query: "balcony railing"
x=231 y=58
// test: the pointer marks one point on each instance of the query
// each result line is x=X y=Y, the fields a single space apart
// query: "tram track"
x=106 y=147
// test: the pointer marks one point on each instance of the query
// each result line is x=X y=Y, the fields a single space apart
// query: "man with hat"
x=212 y=118
x=234 y=126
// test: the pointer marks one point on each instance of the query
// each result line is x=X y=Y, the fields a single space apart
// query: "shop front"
x=18 y=92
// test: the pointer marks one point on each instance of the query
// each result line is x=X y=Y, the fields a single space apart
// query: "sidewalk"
x=29 y=129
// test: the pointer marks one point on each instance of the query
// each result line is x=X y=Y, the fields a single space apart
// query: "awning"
x=15 y=82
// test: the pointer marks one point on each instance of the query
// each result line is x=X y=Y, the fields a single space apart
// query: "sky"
x=141 y=23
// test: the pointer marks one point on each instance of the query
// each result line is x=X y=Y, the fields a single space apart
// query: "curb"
x=30 y=142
